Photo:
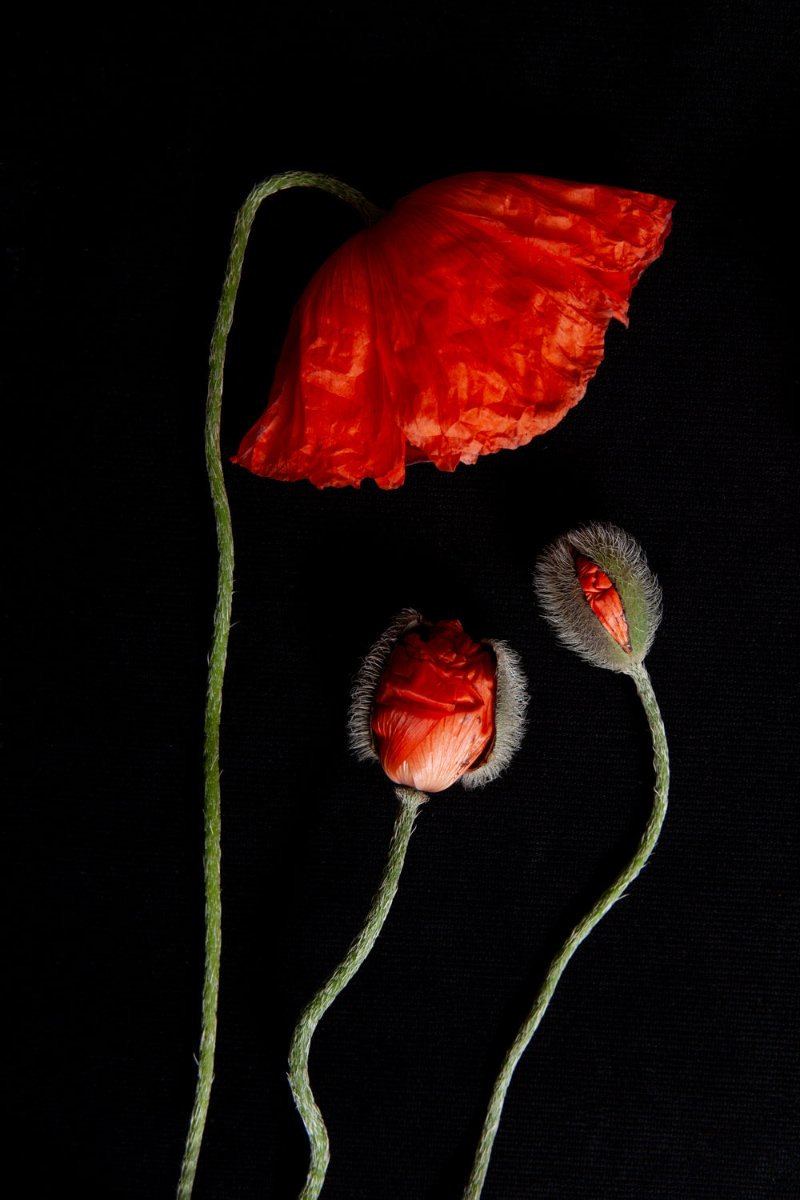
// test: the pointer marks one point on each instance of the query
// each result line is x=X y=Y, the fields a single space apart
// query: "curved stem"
x=409 y=803
x=579 y=933
x=222 y=625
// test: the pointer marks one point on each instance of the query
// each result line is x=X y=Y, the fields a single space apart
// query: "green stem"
x=579 y=933
x=410 y=801
x=222 y=625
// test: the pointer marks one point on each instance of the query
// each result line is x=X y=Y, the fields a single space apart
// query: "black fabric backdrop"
x=667 y=1065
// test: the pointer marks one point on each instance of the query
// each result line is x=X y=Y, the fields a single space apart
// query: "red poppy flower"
x=467 y=320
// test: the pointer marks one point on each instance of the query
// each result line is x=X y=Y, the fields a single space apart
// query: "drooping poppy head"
x=600 y=596
x=466 y=320
x=435 y=707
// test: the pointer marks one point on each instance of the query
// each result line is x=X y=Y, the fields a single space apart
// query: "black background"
x=667 y=1064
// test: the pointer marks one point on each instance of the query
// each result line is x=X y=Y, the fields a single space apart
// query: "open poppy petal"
x=468 y=320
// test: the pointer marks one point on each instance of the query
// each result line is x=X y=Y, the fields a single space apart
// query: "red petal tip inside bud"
x=604 y=601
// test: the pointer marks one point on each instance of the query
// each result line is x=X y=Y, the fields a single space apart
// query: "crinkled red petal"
x=330 y=418
x=469 y=319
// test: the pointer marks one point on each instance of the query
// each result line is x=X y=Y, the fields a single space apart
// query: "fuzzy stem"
x=579 y=933
x=409 y=803
x=219 y=645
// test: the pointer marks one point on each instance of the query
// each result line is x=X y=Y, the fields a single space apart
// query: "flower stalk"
x=409 y=803
x=221 y=632
x=579 y=934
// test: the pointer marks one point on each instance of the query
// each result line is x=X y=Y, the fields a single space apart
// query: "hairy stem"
x=219 y=645
x=409 y=803
x=580 y=932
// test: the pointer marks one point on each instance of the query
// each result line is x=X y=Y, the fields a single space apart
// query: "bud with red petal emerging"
x=600 y=596
x=436 y=707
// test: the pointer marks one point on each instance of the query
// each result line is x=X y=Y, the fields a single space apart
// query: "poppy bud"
x=603 y=601
x=436 y=707
x=600 y=596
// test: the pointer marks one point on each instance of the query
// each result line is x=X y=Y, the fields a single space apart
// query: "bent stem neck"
x=219 y=646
